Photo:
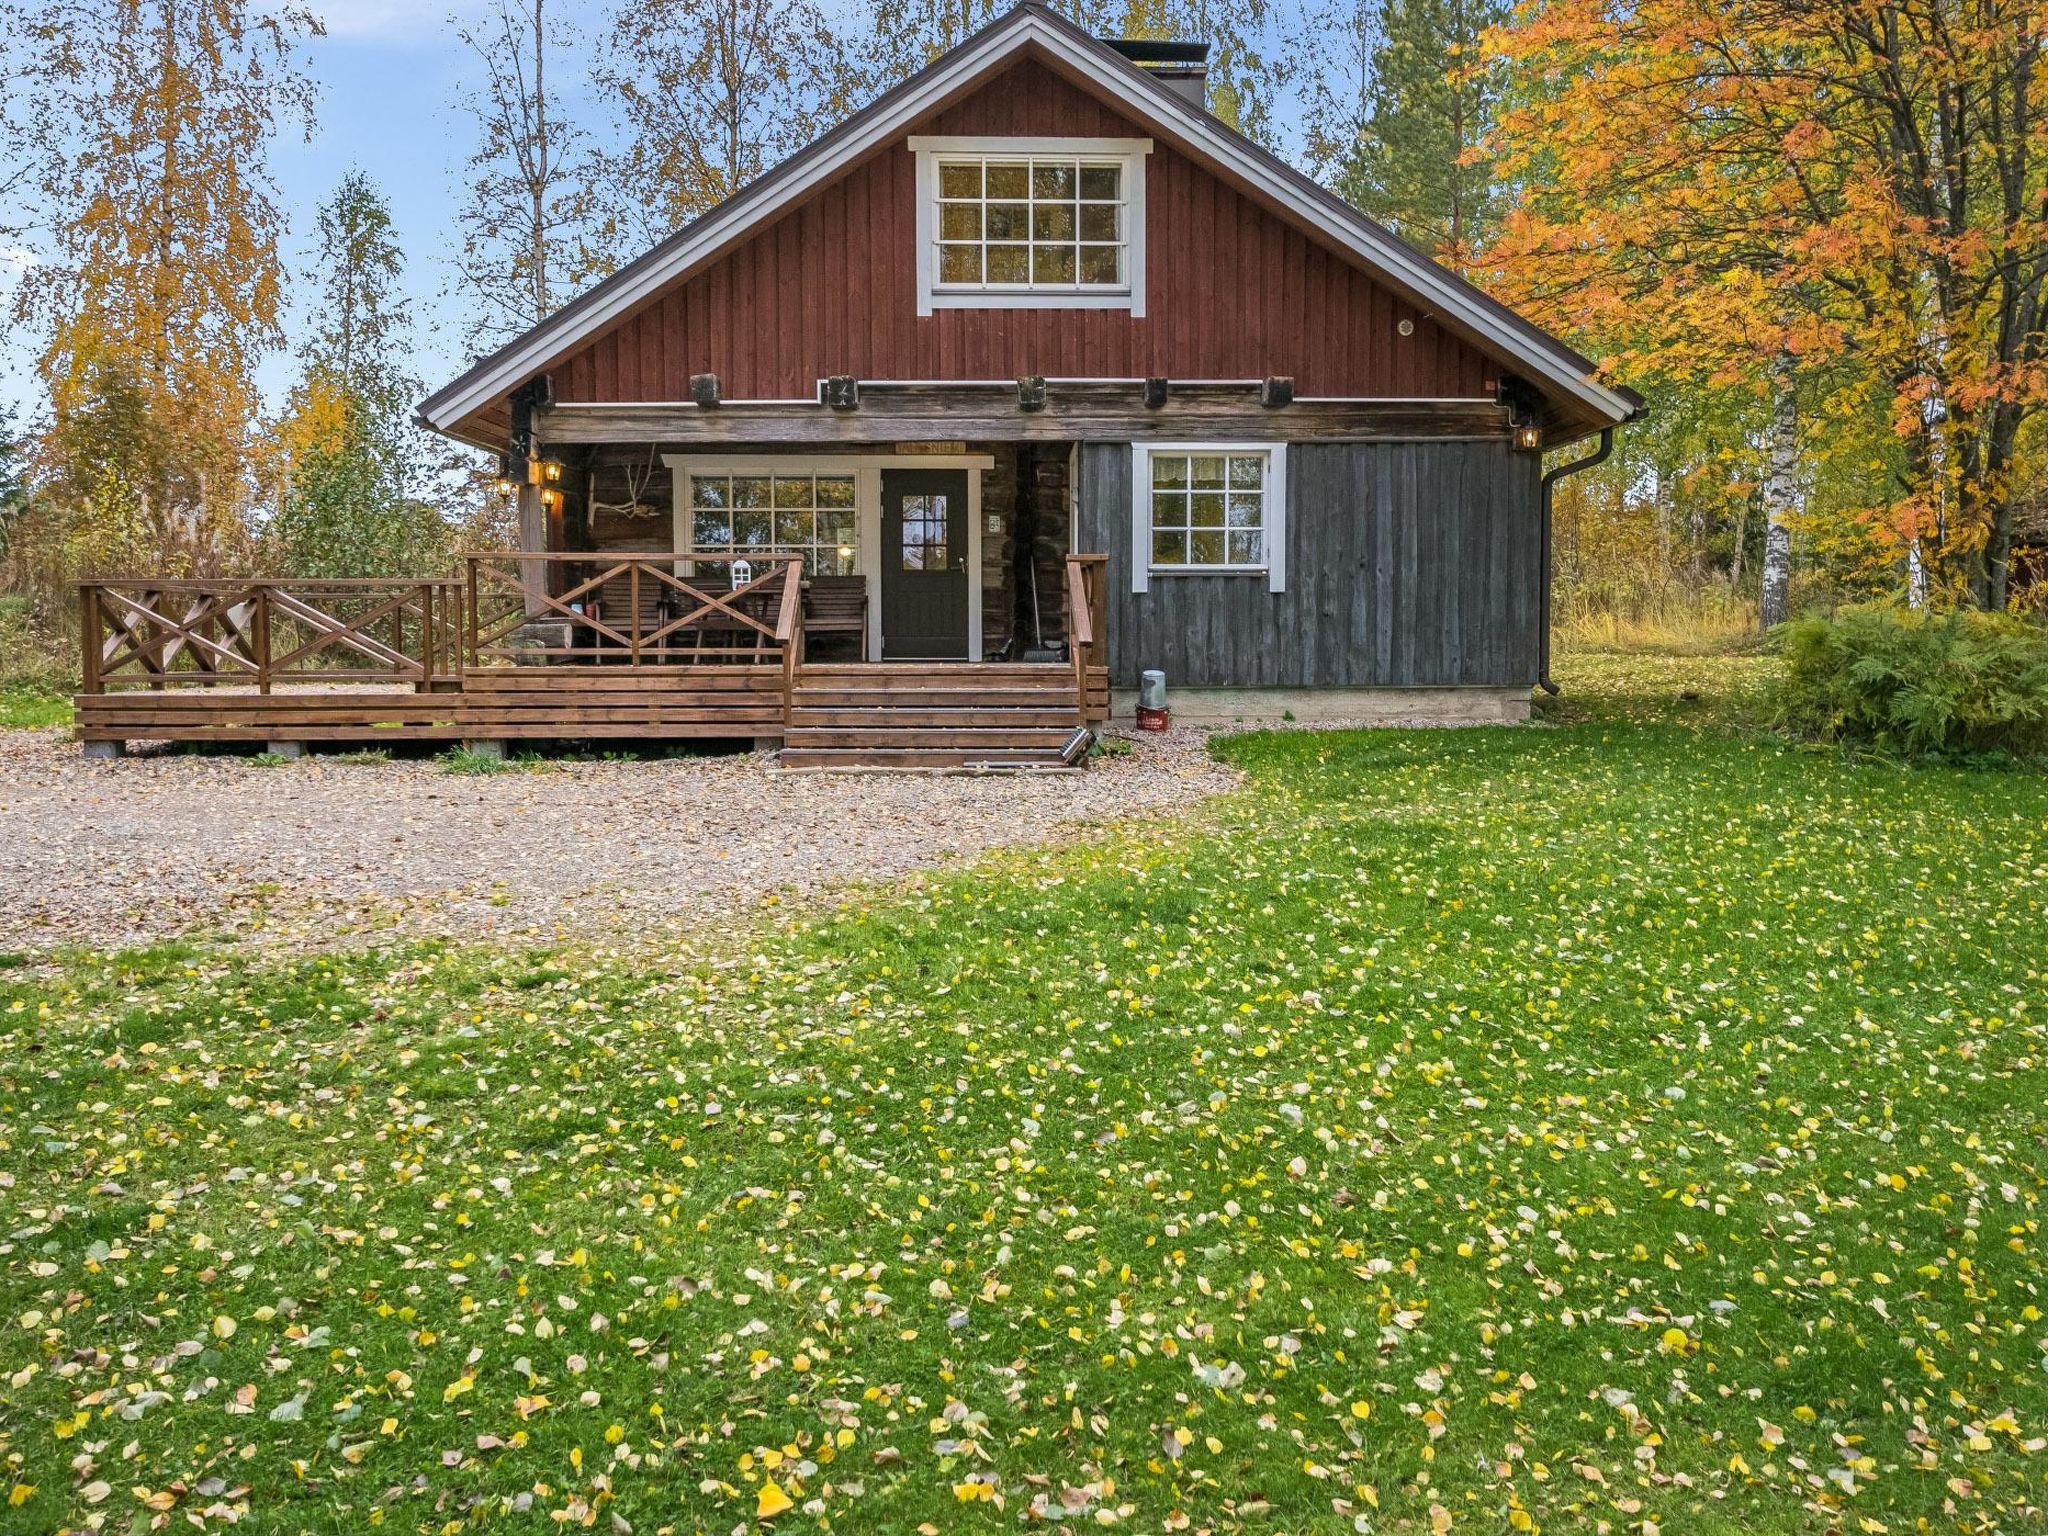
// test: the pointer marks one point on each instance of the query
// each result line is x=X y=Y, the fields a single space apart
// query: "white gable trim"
x=1026 y=25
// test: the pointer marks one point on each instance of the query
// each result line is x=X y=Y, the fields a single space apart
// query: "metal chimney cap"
x=1150 y=50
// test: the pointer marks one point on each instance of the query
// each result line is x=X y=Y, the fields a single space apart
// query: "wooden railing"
x=266 y=630
x=632 y=609
x=1087 y=593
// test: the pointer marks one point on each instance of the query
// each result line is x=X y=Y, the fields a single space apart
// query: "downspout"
x=1550 y=479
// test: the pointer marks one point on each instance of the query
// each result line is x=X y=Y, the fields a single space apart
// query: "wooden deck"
x=287 y=664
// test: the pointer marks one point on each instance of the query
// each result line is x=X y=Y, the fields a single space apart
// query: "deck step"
x=934 y=716
x=903 y=718
x=924 y=759
x=1000 y=739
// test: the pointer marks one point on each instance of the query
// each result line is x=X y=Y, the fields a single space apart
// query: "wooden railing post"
x=470 y=646
x=789 y=632
x=260 y=633
x=90 y=624
x=633 y=580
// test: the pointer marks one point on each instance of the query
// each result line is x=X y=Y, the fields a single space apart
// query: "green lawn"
x=1630 y=1126
x=24 y=708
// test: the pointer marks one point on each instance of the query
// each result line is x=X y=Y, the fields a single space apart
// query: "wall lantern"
x=550 y=499
x=505 y=488
x=551 y=471
x=1529 y=437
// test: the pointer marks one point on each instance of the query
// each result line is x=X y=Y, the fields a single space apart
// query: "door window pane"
x=925 y=543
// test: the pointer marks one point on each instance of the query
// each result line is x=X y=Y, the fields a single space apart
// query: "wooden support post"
x=89 y=626
x=261 y=636
x=533 y=535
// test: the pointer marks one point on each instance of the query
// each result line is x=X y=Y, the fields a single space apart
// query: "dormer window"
x=1031 y=223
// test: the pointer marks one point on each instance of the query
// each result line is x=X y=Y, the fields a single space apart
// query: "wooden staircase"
x=949 y=715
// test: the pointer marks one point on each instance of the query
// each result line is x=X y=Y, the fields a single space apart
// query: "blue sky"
x=391 y=74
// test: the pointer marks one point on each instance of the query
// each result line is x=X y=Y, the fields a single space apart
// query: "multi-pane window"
x=1058 y=222
x=925 y=545
x=1209 y=509
x=791 y=514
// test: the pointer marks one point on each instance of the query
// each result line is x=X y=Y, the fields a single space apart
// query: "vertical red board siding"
x=1233 y=291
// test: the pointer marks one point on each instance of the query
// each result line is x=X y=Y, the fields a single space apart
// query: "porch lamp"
x=1528 y=436
x=505 y=485
x=551 y=471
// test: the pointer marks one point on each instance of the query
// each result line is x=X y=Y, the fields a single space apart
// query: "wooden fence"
x=635 y=609
x=263 y=631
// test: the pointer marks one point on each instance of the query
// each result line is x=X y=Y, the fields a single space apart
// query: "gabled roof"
x=1560 y=373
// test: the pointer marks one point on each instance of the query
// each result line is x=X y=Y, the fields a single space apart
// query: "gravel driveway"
x=106 y=854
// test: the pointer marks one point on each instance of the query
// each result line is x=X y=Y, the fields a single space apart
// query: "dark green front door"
x=924 y=563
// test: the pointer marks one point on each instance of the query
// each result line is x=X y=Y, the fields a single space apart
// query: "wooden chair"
x=837 y=605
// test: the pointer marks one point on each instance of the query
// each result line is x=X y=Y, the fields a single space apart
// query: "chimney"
x=1182 y=68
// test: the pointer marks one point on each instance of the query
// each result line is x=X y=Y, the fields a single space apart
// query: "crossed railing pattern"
x=157 y=633
x=507 y=609
x=639 y=609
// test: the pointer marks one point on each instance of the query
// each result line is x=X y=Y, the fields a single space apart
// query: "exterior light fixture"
x=550 y=499
x=846 y=551
x=504 y=488
x=1529 y=437
x=551 y=471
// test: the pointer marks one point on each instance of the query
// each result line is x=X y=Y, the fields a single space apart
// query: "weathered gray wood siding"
x=1409 y=565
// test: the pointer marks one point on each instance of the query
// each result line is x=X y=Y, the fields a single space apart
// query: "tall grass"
x=1672 y=619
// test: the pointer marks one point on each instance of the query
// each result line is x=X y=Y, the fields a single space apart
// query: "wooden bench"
x=837 y=605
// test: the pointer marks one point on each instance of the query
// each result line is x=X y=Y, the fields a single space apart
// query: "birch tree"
x=162 y=282
x=529 y=233
x=1858 y=186
x=711 y=93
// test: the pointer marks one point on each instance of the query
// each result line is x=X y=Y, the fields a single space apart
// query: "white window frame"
x=1130 y=153
x=1273 y=540
x=866 y=468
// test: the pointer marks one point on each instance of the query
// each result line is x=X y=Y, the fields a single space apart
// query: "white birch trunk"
x=1916 y=575
x=1780 y=489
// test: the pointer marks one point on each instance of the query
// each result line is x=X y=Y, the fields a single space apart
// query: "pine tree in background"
x=1399 y=117
x=354 y=464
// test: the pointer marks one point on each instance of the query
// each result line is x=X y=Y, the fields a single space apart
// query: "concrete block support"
x=291 y=750
x=103 y=749
x=490 y=748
